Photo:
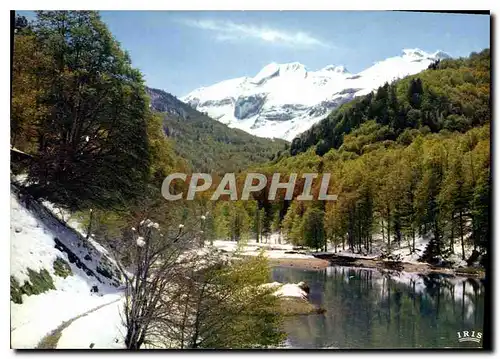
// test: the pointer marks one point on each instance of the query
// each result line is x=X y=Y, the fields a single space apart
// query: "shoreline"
x=421 y=268
x=300 y=263
x=326 y=260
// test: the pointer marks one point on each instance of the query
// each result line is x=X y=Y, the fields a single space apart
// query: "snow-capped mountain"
x=283 y=100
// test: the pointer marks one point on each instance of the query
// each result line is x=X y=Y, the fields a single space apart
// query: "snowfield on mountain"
x=283 y=100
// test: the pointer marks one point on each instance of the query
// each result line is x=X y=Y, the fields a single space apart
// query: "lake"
x=367 y=309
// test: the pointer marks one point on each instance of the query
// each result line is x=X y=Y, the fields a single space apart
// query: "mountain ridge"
x=283 y=100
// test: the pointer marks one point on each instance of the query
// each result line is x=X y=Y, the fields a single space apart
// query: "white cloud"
x=230 y=31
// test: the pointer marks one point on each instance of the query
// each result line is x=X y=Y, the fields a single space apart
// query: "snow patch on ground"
x=379 y=247
x=269 y=250
x=33 y=246
x=403 y=251
x=275 y=246
x=287 y=290
x=103 y=328
x=40 y=314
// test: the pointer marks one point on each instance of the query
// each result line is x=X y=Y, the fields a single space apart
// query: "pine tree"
x=453 y=199
x=335 y=225
x=415 y=93
x=314 y=233
x=429 y=188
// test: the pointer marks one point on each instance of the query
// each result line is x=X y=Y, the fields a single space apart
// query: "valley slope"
x=208 y=145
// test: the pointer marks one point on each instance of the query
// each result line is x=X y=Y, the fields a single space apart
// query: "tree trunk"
x=383 y=232
x=452 y=233
x=89 y=228
x=359 y=236
x=437 y=236
x=132 y=339
x=413 y=236
x=388 y=230
x=258 y=224
x=462 y=235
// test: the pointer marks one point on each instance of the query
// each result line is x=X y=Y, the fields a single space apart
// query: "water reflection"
x=370 y=309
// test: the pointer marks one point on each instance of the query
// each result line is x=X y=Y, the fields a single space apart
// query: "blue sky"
x=180 y=51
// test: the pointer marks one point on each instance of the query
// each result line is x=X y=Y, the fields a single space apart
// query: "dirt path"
x=50 y=340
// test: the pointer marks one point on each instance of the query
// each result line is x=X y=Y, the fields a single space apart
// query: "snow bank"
x=287 y=290
x=33 y=240
x=40 y=314
x=33 y=246
x=103 y=328
x=379 y=247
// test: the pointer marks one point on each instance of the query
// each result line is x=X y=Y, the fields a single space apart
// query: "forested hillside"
x=411 y=161
x=453 y=95
x=206 y=144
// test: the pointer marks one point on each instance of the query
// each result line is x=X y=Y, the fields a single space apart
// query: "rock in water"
x=304 y=286
x=473 y=258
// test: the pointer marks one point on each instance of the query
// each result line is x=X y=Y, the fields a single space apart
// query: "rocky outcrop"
x=248 y=106
x=294 y=299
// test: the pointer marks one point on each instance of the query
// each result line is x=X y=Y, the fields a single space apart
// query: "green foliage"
x=104 y=224
x=104 y=270
x=15 y=291
x=161 y=151
x=314 y=233
x=90 y=106
x=233 y=219
x=39 y=282
x=365 y=137
x=206 y=144
x=293 y=224
x=335 y=225
x=250 y=316
x=26 y=109
x=62 y=268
